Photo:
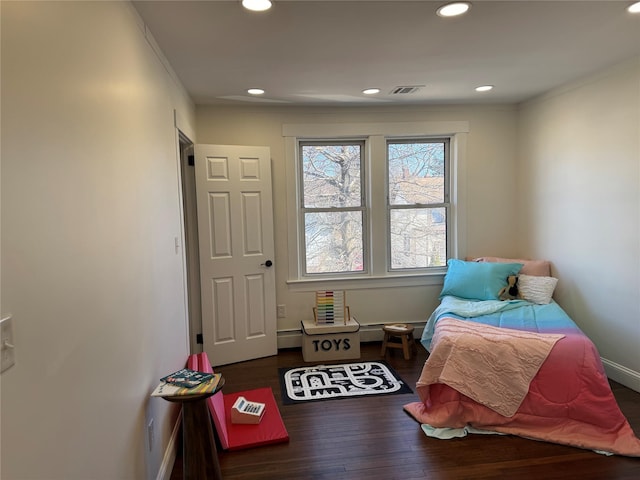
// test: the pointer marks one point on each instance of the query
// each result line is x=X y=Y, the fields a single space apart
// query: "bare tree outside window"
x=334 y=212
x=417 y=203
x=333 y=206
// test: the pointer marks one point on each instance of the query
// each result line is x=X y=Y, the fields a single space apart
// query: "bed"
x=519 y=366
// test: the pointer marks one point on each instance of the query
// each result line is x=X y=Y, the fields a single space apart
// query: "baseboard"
x=368 y=333
x=621 y=374
x=170 y=453
x=373 y=333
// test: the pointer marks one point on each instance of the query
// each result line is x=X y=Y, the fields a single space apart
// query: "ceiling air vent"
x=406 y=89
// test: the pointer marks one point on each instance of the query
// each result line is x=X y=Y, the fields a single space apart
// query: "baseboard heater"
x=292 y=338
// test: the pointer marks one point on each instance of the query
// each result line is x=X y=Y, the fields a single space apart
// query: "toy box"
x=325 y=342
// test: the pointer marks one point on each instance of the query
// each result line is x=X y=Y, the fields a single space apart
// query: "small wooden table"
x=199 y=454
x=401 y=332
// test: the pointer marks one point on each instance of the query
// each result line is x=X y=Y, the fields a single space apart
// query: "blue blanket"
x=515 y=314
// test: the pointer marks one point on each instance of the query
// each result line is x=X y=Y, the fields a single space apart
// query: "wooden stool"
x=399 y=335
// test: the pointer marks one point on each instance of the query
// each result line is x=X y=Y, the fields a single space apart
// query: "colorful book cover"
x=187 y=378
x=165 y=389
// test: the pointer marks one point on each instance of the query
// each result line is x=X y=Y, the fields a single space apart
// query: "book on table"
x=185 y=377
x=168 y=389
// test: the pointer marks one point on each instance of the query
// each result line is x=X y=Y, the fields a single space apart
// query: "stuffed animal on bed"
x=510 y=292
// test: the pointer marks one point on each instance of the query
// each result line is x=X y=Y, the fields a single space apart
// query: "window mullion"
x=418 y=205
x=377 y=202
x=421 y=249
x=331 y=209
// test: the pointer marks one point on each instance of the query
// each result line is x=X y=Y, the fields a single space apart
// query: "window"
x=418 y=202
x=373 y=204
x=333 y=206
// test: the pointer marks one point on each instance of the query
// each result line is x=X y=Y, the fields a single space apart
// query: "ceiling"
x=304 y=52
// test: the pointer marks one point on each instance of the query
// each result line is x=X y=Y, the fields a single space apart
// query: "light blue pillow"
x=477 y=280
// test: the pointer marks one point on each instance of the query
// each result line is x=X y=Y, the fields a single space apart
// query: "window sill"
x=365 y=282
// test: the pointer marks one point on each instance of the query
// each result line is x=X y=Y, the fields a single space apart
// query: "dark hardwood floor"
x=374 y=439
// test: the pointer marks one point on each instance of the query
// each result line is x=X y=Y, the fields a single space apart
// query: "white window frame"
x=417 y=206
x=375 y=135
x=363 y=207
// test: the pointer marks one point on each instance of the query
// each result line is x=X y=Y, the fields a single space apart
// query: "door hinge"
x=199 y=339
x=191 y=160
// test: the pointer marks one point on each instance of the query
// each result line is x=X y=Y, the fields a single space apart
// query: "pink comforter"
x=569 y=402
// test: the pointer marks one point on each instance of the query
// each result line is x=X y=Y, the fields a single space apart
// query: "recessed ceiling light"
x=453 y=9
x=371 y=91
x=257 y=5
x=255 y=91
x=484 y=88
x=634 y=8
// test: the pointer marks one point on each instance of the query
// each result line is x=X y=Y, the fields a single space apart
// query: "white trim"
x=373 y=333
x=377 y=200
x=458 y=200
x=368 y=333
x=621 y=374
x=366 y=281
x=323 y=130
x=291 y=170
x=376 y=134
x=169 y=459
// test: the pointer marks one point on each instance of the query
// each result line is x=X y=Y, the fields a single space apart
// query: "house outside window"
x=373 y=204
x=418 y=202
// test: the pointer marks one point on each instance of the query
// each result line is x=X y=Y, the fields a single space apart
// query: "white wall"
x=90 y=210
x=490 y=172
x=579 y=206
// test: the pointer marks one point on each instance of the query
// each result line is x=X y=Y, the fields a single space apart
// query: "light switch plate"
x=7 y=347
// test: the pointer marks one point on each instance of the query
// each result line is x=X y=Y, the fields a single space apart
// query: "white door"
x=235 y=231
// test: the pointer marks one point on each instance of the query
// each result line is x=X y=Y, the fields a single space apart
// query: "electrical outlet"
x=150 y=434
x=281 y=311
x=7 y=347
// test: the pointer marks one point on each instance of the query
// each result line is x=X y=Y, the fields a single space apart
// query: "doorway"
x=229 y=250
x=192 y=257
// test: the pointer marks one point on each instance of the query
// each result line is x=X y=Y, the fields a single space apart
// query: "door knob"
x=268 y=263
